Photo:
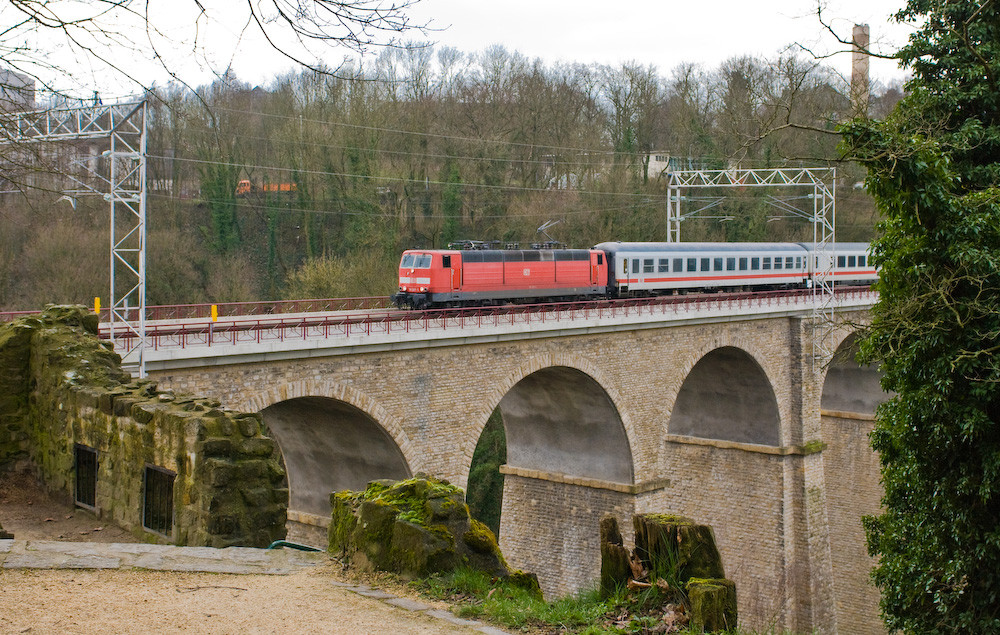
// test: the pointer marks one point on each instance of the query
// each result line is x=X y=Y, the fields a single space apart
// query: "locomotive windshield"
x=416 y=261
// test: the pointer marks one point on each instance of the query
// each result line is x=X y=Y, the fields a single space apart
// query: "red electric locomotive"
x=451 y=277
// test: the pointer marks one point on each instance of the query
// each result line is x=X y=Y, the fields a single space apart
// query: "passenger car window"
x=730 y=264
x=664 y=266
x=754 y=264
x=647 y=265
x=692 y=264
x=743 y=264
x=717 y=264
x=635 y=265
x=678 y=265
x=704 y=264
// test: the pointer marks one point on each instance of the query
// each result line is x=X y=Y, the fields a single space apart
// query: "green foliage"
x=218 y=186
x=451 y=202
x=934 y=169
x=340 y=277
x=485 y=491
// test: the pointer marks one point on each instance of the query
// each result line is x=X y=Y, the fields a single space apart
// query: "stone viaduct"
x=731 y=418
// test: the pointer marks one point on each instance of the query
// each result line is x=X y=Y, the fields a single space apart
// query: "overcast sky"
x=660 y=32
x=663 y=33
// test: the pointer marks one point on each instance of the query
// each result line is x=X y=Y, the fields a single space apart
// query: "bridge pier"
x=566 y=556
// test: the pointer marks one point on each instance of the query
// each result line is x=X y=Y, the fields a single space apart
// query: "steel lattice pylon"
x=823 y=217
x=123 y=187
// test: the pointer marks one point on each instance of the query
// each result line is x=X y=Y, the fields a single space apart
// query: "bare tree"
x=111 y=37
x=634 y=94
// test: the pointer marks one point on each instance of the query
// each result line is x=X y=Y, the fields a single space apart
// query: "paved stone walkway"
x=50 y=554
x=47 y=554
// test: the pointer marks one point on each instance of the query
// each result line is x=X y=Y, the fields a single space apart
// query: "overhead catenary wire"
x=327 y=212
x=400 y=179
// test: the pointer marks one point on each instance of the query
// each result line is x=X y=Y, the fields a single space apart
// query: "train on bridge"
x=430 y=278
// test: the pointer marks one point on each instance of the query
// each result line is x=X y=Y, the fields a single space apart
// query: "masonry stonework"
x=770 y=505
x=567 y=511
x=853 y=491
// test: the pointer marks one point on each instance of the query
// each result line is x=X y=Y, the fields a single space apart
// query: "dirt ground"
x=136 y=601
x=28 y=513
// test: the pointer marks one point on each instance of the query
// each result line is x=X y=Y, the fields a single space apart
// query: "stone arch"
x=849 y=387
x=569 y=463
x=557 y=447
x=727 y=395
x=331 y=437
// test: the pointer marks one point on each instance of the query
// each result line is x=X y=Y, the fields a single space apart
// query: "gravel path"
x=317 y=597
x=130 y=601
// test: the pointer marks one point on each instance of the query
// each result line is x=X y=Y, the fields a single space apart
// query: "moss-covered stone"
x=480 y=538
x=713 y=604
x=416 y=551
x=526 y=581
x=413 y=527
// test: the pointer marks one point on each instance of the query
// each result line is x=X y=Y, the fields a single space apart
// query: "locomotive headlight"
x=423 y=288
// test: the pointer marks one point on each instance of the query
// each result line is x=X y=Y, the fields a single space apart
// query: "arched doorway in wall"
x=328 y=445
x=727 y=396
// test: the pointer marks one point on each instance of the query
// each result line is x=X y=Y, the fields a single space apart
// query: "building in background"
x=17 y=91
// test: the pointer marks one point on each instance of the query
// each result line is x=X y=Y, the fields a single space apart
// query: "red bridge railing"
x=233 y=309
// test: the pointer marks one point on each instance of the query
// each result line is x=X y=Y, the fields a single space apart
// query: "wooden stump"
x=615 y=568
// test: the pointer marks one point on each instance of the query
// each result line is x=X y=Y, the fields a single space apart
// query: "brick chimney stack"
x=859 y=70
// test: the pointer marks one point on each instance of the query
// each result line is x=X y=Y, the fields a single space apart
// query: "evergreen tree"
x=933 y=170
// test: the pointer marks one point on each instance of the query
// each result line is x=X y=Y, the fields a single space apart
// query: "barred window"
x=158 y=500
x=85 y=472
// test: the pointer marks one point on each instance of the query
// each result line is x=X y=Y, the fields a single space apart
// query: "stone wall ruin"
x=169 y=468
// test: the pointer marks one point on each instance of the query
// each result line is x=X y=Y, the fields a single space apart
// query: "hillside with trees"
x=419 y=147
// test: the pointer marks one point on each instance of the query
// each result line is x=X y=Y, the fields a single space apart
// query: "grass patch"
x=479 y=596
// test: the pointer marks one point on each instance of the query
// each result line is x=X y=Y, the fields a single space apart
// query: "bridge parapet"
x=266 y=338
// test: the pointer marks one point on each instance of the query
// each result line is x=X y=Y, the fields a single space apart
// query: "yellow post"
x=97 y=305
x=215 y=313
